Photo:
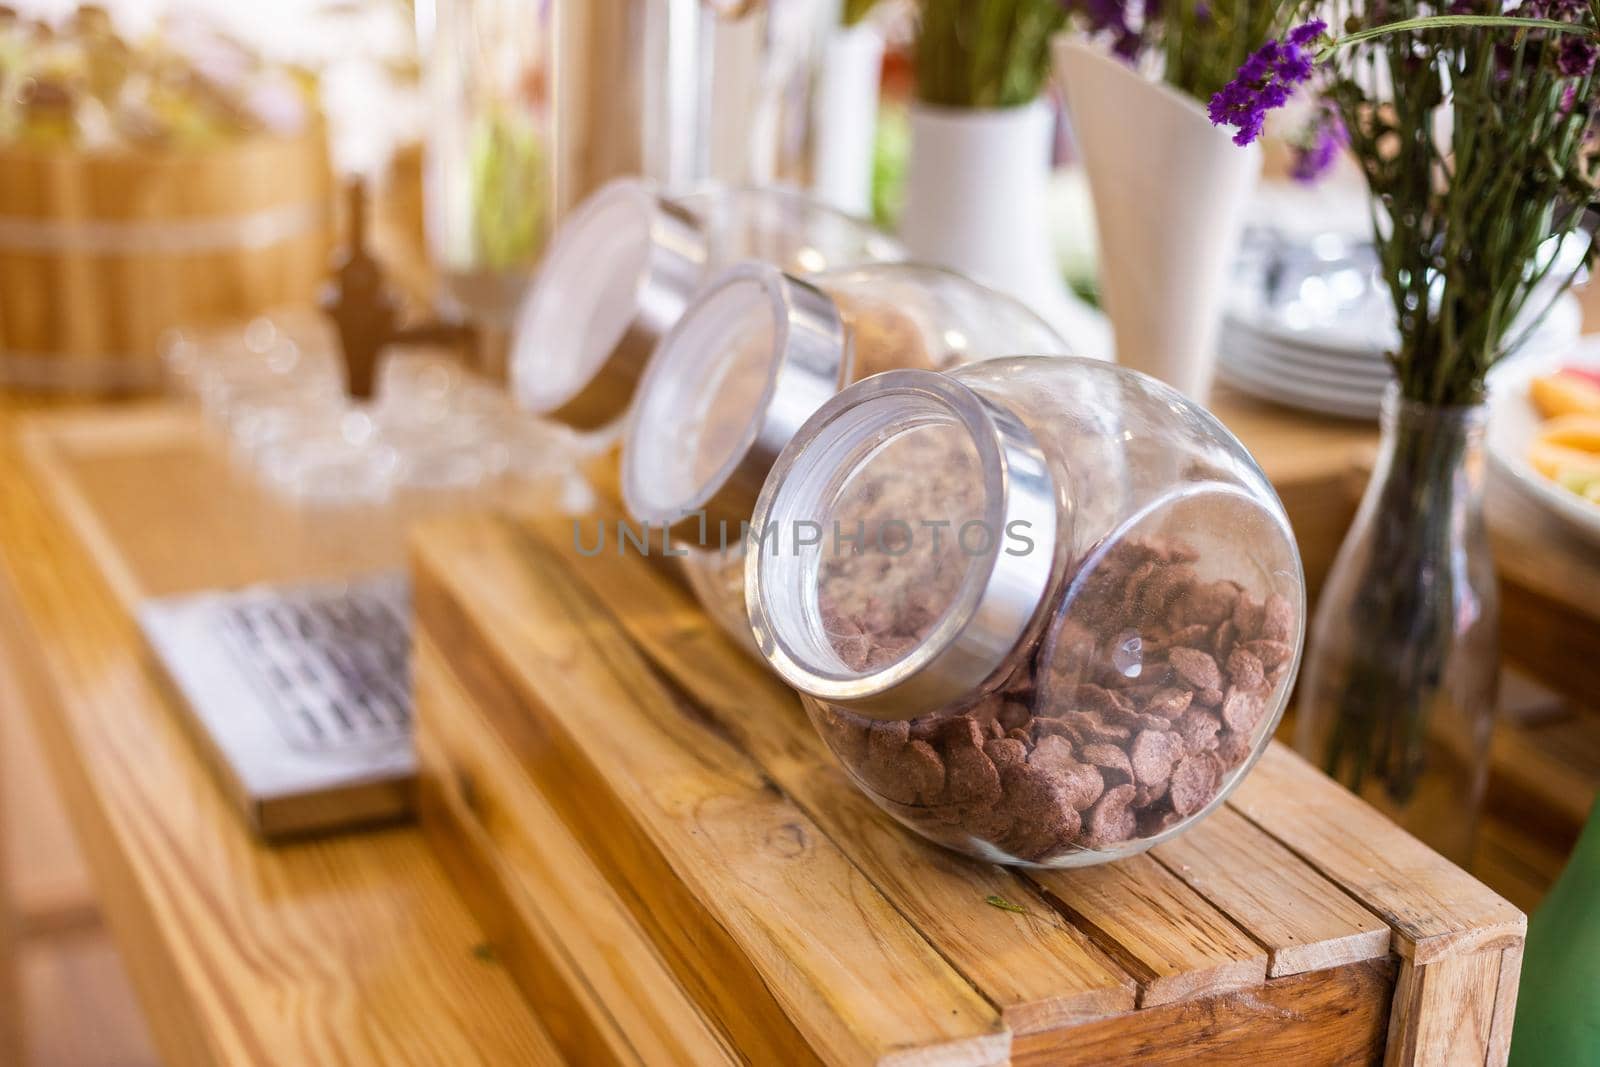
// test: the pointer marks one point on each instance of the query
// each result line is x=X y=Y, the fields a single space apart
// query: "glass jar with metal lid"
x=626 y=263
x=1044 y=611
x=750 y=361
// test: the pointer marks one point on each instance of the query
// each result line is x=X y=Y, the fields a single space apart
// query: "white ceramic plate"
x=1513 y=424
x=1296 y=394
x=1267 y=355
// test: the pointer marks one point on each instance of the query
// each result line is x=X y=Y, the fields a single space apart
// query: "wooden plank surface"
x=786 y=942
x=599 y=983
x=1173 y=942
x=352 y=950
x=1434 y=908
x=1303 y=920
x=1051 y=977
x=1338 y=1016
x=78 y=1008
x=1445 y=1012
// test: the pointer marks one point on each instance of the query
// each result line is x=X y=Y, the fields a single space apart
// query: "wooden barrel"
x=100 y=253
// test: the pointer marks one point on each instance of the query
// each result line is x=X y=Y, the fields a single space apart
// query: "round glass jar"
x=1044 y=611
x=628 y=261
x=750 y=361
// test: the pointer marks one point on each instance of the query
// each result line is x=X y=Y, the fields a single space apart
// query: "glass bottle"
x=1403 y=670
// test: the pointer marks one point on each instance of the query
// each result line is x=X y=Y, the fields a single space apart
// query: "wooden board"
x=625 y=711
x=764 y=920
x=349 y=950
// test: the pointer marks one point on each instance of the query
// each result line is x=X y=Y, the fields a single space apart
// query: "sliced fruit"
x=1565 y=393
x=1550 y=459
x=1573 y=431
x=1579 y=479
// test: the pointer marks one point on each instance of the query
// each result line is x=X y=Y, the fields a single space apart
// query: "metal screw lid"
x=1001 y=588
x=734 y=380
x=618 y=273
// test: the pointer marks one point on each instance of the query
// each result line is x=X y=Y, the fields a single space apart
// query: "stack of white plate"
x=1309 y=322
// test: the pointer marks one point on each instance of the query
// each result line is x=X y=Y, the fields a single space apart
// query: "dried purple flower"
x=1319 y=144
x=1265 y=81
x=1575 y=56
x=1559 y=10
x=1109 y=18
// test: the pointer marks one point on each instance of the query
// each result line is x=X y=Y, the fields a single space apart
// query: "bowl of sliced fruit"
x=1544 y=433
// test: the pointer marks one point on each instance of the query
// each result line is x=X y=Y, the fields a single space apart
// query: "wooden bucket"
x=101 y=253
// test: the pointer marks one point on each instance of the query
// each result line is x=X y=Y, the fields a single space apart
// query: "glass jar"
x=753 y=357
x=628 y=261
x=490 y=168
x=1044 y=611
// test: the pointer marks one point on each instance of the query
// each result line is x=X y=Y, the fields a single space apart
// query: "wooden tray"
x=676 y=871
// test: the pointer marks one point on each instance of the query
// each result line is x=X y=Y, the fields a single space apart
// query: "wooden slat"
x=1050 y=976
x=1505 y=1007
x=46 y=883
x=784 y=940
x=1434 y=908
x=1334 y=1017
x=1303 y=920
x=351 y=951
x=1166 y=935
x=1444 y=1012
x=78 y=1009
x=598 y=982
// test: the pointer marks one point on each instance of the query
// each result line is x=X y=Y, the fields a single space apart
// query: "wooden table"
x=355 y=947
x=348 y=950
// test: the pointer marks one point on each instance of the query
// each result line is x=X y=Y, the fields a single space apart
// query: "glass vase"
x=1402 y=667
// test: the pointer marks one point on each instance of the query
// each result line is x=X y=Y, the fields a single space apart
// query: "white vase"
x=1170 y=195
x=976 y=202
x=845 y=117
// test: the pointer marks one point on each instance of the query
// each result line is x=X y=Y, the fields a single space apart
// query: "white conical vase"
x=976 y=202
x=845 y=117
x=1170 y=195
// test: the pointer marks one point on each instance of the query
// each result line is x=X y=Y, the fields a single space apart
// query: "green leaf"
x=996 y=901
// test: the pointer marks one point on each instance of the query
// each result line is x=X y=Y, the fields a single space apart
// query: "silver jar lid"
x=618 y=273
x=896 y=635
x=757 y=353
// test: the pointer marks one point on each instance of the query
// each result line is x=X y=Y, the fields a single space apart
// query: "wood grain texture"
x=1173 y=942
x=1304 y=921
x=1505 y=1006
x=43 y=878
x=352 y=950
x=596 y=980
x=1036 y=968
x=1434 y=908
x=1444 y=1012
x=78 y=1008
x=1336 y=1016
x=782 y=939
